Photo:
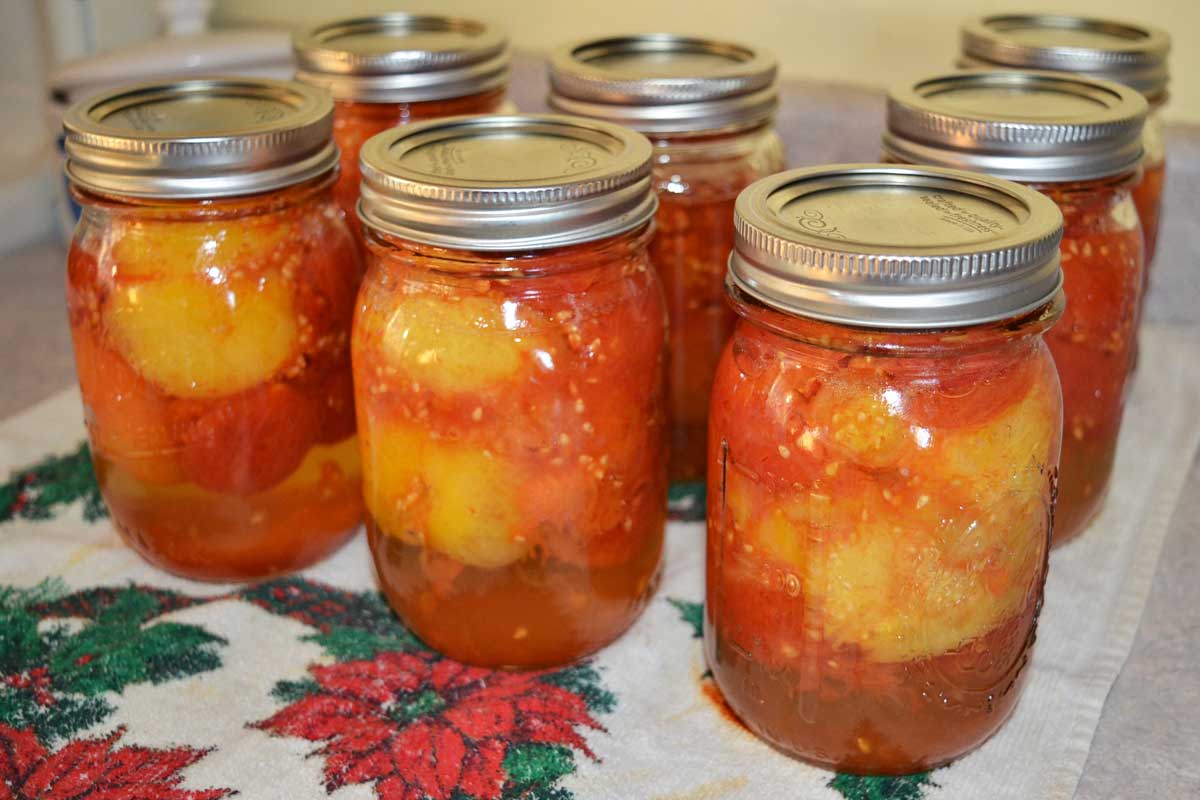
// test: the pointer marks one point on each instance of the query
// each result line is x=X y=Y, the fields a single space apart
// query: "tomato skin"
x=334 y=402
x=247 y=442
x=127 y=417
x=325 y=285
x=969 y=397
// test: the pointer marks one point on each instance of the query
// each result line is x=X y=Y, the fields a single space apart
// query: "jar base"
x=205 y=536
x=527 y=616
x=206 y=573
x=846 y=736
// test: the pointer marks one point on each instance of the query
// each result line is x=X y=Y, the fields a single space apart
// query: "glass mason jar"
x=210 y=308
x=509 y=373
x=394 y=69
x=707 y=107
x=1147 y=192
x=885 y=427
x=1132 y=54
x=1077 y=140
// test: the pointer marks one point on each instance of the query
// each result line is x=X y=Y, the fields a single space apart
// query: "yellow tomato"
x=913 y=573
x=449 y=497
x=455 y=345
x=196 y=339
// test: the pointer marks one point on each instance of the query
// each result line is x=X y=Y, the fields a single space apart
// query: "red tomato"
x=335 y=402
x=247 y=442
x=325 y=284
x=127 y=417
x=968 y=398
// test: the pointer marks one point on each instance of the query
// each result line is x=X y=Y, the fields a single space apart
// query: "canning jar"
x=707 y=106
x=885 y=426
x=1078 y=140
x=1132 y=54
x=395 y=69
x=210 y=290
x=509 y=350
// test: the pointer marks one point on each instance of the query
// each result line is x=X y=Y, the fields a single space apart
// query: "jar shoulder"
x=190 y=237
x=719 y=168
x=1108 y=211
x=768 y=375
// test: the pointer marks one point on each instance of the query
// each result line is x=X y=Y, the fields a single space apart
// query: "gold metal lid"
x=201 y=138
x=402 y=58
x=1025 y=126
x=518 y=182
x=1126 y=52
x=663 y=83
x=895 y=247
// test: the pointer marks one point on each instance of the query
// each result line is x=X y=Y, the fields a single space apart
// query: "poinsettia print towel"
x=119 y=681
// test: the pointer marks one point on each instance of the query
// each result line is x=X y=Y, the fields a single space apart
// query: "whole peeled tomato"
x=456 y=499
x=127 y=418
x=334 y=396
x=247 y=442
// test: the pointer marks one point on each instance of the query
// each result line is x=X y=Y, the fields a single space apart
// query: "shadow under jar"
x=509 y=373
x=395 y=69
x=210 y=303
x=1128 y=53
x=1078 y=141
x=886 y=420
x=708 y=108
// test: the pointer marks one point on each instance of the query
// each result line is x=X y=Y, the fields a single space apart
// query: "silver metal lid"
x=202 y=138
x=1129 y=53
x=519 y=182
x=402 y=58
x=663 y=83
x=1025 y=126
x=896 y=247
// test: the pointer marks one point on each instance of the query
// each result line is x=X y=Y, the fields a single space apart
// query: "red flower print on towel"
x=94 y=768
x=419 y=726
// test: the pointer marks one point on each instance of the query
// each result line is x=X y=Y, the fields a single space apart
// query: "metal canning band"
x=199 y=138
x=517 y=182
x=402 y=58
x=1025 y=126
x=663 y=83
x=896 y=247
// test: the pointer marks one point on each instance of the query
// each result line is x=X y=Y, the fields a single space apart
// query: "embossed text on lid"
x=205 y=137
x=889 y=246
x=515 y=182
x=1129 y=53
x=402 y=58
x=663 y=83
x=1025 y=126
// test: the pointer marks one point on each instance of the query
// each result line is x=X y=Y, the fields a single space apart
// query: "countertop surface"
x=1147 y=744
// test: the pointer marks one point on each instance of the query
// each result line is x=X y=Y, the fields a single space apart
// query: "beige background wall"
x=865 y=42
